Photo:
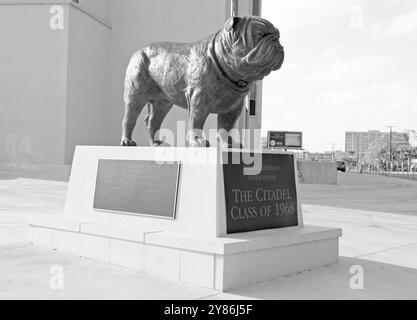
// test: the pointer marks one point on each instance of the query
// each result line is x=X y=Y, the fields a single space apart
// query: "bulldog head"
x=250 y=48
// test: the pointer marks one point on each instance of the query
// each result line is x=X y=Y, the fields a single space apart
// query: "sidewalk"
x=383 y=244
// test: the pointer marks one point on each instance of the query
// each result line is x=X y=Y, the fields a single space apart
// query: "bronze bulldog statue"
x=211 y=76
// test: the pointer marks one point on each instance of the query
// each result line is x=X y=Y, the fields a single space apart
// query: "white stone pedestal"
x=194 y=248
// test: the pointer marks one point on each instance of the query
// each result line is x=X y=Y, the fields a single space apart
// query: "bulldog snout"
x=276 y=40
x=279 y=46
x=276 y=33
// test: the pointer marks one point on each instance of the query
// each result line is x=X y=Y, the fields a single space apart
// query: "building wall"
x=86 y=119
x=33 y=87
x=98 y=8
x=138 y=23
x=62 y=88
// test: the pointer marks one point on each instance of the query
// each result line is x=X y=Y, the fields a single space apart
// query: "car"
x=341 y=166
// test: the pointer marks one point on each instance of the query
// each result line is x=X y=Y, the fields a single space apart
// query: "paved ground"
x=378 y=215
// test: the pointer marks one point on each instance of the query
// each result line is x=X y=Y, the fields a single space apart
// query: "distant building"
x=413 y=139
x=361 y=141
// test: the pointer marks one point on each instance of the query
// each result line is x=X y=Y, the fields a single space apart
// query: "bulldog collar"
x=240 y=85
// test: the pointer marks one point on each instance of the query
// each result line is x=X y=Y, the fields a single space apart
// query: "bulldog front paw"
x=162 y=144
x=235 y=145
x=199 y=143
x=230 y=144
x=128 y=143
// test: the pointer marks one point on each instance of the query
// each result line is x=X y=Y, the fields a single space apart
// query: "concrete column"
x=251 y=117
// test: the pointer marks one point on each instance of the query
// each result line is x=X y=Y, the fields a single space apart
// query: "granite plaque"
x=264 y=201
x=137 y=187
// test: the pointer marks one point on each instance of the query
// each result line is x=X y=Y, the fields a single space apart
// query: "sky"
x=351 y=65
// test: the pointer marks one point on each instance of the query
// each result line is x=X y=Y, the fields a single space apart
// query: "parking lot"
x=365 y=192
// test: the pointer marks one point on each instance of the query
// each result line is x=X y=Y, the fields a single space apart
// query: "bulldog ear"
x=232 y=23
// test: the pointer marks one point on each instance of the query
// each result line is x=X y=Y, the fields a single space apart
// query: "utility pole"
x=390 y=145
x=357 y=151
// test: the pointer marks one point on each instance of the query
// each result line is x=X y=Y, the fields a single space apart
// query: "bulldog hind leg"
x=198 y=113
x=135 y=94
x=157 y=111
x=133 y=107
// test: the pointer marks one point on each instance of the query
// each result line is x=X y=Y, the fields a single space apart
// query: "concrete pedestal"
x=194 y=248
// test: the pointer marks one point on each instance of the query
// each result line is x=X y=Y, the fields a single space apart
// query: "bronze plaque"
x=264 y=201
x=137 y=187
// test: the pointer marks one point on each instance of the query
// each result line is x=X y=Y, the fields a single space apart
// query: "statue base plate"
x=194 y=246
x=221 y=264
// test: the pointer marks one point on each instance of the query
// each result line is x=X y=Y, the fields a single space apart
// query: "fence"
x=411 y=175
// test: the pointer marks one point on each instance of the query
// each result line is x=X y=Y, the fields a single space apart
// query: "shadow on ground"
x=381 y=281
